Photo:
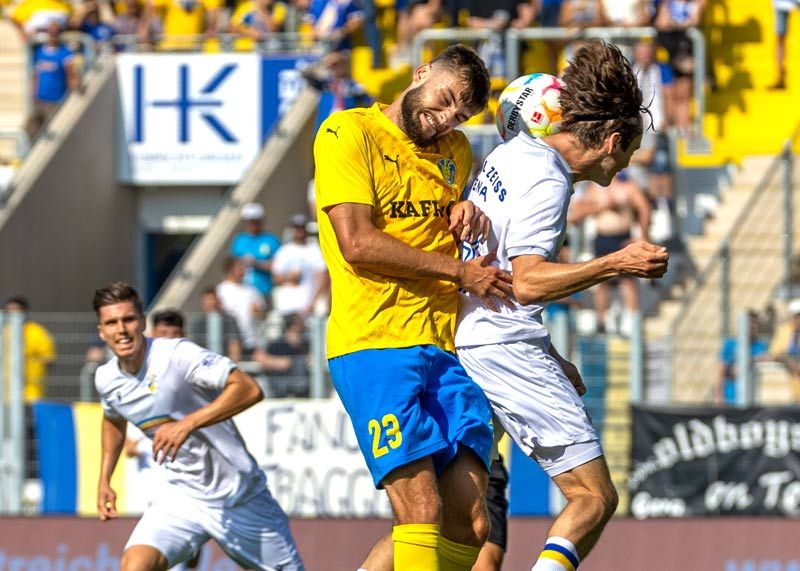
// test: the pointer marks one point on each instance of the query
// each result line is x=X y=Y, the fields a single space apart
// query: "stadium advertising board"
x=312 y=459
x=199 y=118
x=715 y=461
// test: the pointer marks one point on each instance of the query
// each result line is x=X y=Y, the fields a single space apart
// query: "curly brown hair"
x=600 y=96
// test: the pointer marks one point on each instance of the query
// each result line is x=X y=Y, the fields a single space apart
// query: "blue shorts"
x=406 y=404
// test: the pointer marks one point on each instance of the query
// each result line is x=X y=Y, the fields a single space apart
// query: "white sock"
x=559 y=554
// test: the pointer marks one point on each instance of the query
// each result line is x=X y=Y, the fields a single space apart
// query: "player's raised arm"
x=112 y=441
x=538 y=281
x=363 y=245
x=239 y=393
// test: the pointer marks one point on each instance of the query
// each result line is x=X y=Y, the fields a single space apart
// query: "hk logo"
x=187 y=104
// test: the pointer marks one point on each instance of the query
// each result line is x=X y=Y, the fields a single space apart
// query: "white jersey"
x=176 y=379
x=524 y=187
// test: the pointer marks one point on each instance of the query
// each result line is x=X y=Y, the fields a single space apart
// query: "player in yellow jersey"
x=388 y=181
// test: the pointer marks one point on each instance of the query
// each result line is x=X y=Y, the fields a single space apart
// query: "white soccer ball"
x=530 y=103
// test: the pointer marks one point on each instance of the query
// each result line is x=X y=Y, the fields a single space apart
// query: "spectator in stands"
x=650 y=165
x=412 y=17
x=34 y=16
x=167 y=323
x=785 y=345
x=333 y=22
x=244 y=302
x=339 y=90
x=626 y=13
x=39 y=350
x=618 y=211
x=231 y=340
x=578 y=14
x=293 y=345
x=300 y=273
x=782 y=10
x=87 y=19
x=549 y=14
x=499 y=16
x=185 y=22
x=673 y=19
x=725 y=390
x=55 y=72
x=256 y=248
x=258 y=21
x=130 y=22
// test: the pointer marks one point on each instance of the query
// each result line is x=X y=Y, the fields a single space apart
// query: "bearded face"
x=411 y=114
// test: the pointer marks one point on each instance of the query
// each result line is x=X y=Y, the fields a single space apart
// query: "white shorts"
x=535 y=402
x=255 y=533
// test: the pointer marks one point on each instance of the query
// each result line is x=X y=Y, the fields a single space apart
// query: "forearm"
x=550 y=281
x=240 y=393
x=112 y=442
x=383 y=254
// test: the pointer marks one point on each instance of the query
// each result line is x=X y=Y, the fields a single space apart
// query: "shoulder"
x=104 y=374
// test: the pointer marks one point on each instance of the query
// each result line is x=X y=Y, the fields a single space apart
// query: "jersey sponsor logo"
x=210 y=360
x=448 y=169
x=335 y=131
x=419 y=209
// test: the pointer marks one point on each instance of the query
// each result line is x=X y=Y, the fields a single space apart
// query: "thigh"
x=462 y=487
x=170 y=525
x=533 y=399
x=382 y=391
x=460 y=408
x=255 y=534
x=593 y=476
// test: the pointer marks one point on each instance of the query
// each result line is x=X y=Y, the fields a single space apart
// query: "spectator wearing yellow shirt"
x=257 y=20
x=34 y=16
x=184 y=21
x=39 y=350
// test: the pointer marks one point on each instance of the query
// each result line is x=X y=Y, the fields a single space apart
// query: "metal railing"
x=278 y=42
x=759 y=246
x=513 y=39
x=12 y=413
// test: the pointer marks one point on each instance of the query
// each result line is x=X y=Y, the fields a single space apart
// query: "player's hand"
x=468 y=222
x=574 y=376
x=169 y=437
x=642 y=259
x=106 y=502
x=490 y=283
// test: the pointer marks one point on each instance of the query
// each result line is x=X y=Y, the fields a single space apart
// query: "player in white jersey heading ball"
x=183 y=397
x=524 y=187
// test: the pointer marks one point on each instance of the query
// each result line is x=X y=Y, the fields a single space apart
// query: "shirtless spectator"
x=617 y=211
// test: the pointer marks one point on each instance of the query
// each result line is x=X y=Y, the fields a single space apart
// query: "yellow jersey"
x=36 y=15
x=246 y=16
x=362 y=157
x=39 y=353
x=184 y=18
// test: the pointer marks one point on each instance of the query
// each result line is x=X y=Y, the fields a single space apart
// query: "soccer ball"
x=530 y=103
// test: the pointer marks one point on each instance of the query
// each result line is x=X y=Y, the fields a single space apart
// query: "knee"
x=142 y=559
x=607 y=502
x=481 y=526
x=427 y=511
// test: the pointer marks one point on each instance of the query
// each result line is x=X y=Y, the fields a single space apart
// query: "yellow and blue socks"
x=456 y=556
x=559 y=554
x=416 y=547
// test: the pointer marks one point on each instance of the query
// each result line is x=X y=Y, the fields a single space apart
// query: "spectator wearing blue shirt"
x=334 y=21
x=87 y=19
x=759 y=350
x=256 y=248
x=54 y=74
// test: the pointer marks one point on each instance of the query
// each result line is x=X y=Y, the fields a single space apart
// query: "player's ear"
x=421 y=73
x=611 y=142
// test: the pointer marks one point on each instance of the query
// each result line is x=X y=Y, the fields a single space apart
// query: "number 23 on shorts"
x=394 y=438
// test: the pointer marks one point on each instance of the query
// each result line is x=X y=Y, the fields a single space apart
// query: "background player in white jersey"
x=183 y=396
x=524 y=187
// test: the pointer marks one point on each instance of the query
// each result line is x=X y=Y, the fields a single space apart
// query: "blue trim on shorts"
x=409 y=403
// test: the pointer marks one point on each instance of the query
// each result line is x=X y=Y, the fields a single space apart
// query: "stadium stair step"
x=12 y=77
